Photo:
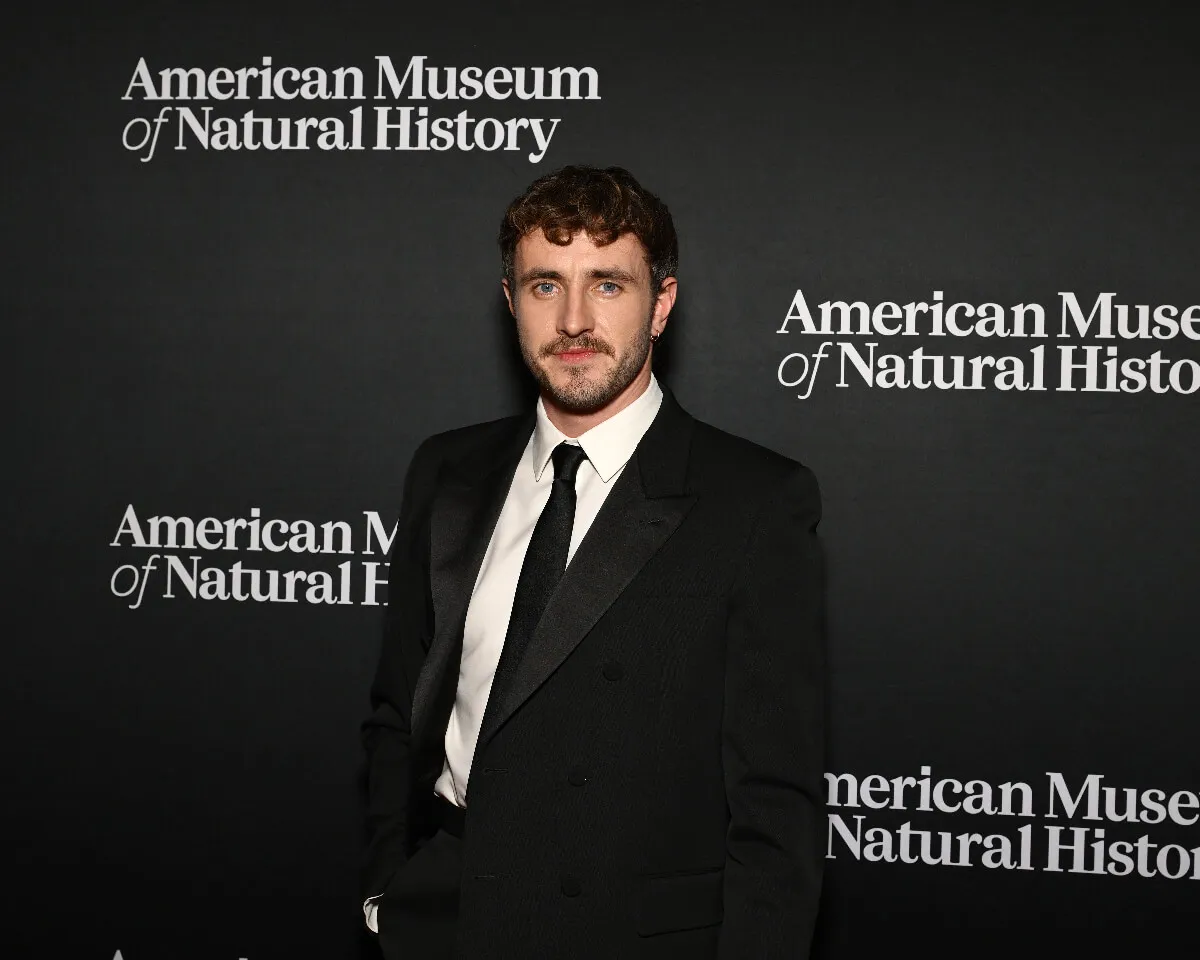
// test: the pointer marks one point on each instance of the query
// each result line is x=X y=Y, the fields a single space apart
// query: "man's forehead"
x=627 y=249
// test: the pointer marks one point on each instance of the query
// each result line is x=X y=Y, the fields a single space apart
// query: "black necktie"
x=545 y=561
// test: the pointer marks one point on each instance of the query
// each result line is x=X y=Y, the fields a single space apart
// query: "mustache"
x=585 y=341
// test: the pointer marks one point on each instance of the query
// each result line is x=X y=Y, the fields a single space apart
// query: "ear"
x=662 y=305
x=508 y=295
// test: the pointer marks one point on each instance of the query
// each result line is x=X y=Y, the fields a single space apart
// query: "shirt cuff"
x=371 y=913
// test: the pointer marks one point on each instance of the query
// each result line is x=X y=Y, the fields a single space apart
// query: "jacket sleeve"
x=386 y=733
x=773 y=731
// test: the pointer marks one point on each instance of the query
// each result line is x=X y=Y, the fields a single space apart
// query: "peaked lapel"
x=644 y=508
x=463 y=515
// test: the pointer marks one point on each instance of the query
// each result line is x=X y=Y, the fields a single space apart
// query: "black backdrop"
x=208 y=332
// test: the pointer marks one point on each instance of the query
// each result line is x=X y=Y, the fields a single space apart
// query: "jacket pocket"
x=679 y=901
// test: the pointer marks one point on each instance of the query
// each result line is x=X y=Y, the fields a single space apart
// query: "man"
x=622 y=758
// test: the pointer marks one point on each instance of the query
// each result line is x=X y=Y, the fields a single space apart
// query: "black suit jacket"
x=651 y=785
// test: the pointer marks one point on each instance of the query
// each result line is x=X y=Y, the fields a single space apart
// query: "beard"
x=585 y=392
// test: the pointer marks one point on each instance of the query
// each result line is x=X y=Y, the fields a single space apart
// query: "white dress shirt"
x=608 y=446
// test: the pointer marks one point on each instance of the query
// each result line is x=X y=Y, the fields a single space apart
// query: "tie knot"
x=567 y=457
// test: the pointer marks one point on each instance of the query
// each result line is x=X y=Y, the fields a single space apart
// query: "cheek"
x=624 y=321
x=534 y=318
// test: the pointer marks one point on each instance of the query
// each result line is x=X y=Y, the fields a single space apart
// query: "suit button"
x=570 y=886
x=612 y=670
x=577 y=776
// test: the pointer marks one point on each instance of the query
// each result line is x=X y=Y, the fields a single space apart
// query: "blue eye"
x=545 y=288
x=609 y=287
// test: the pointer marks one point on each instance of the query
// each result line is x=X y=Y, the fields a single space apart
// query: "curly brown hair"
x=605 y=204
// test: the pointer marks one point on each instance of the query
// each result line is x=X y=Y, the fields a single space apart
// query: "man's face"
x=585 y=315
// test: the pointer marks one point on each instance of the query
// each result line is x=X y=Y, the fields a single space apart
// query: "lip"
x=575 y=356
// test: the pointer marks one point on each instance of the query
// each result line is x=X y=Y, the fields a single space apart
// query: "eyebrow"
x=599 y=273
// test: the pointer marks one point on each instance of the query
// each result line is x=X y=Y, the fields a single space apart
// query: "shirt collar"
x=608 y=445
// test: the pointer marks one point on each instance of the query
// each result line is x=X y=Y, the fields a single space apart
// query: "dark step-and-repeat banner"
x=945 y=256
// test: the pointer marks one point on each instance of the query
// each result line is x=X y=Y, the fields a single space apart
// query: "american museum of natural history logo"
x=252 y=558
x=1082 y=825
x=410 y=106
x=1096 y=345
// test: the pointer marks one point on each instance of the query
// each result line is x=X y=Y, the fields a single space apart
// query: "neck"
x=572 y=423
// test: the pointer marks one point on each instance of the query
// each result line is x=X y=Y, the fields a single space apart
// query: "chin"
x=576 y=401
x=580 y=395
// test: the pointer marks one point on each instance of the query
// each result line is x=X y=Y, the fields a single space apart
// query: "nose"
x=575 y=317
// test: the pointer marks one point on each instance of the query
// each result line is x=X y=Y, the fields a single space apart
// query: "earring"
x=654 y=338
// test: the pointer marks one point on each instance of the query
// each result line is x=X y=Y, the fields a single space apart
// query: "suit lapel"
x=644 y=508
x=463 y=516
